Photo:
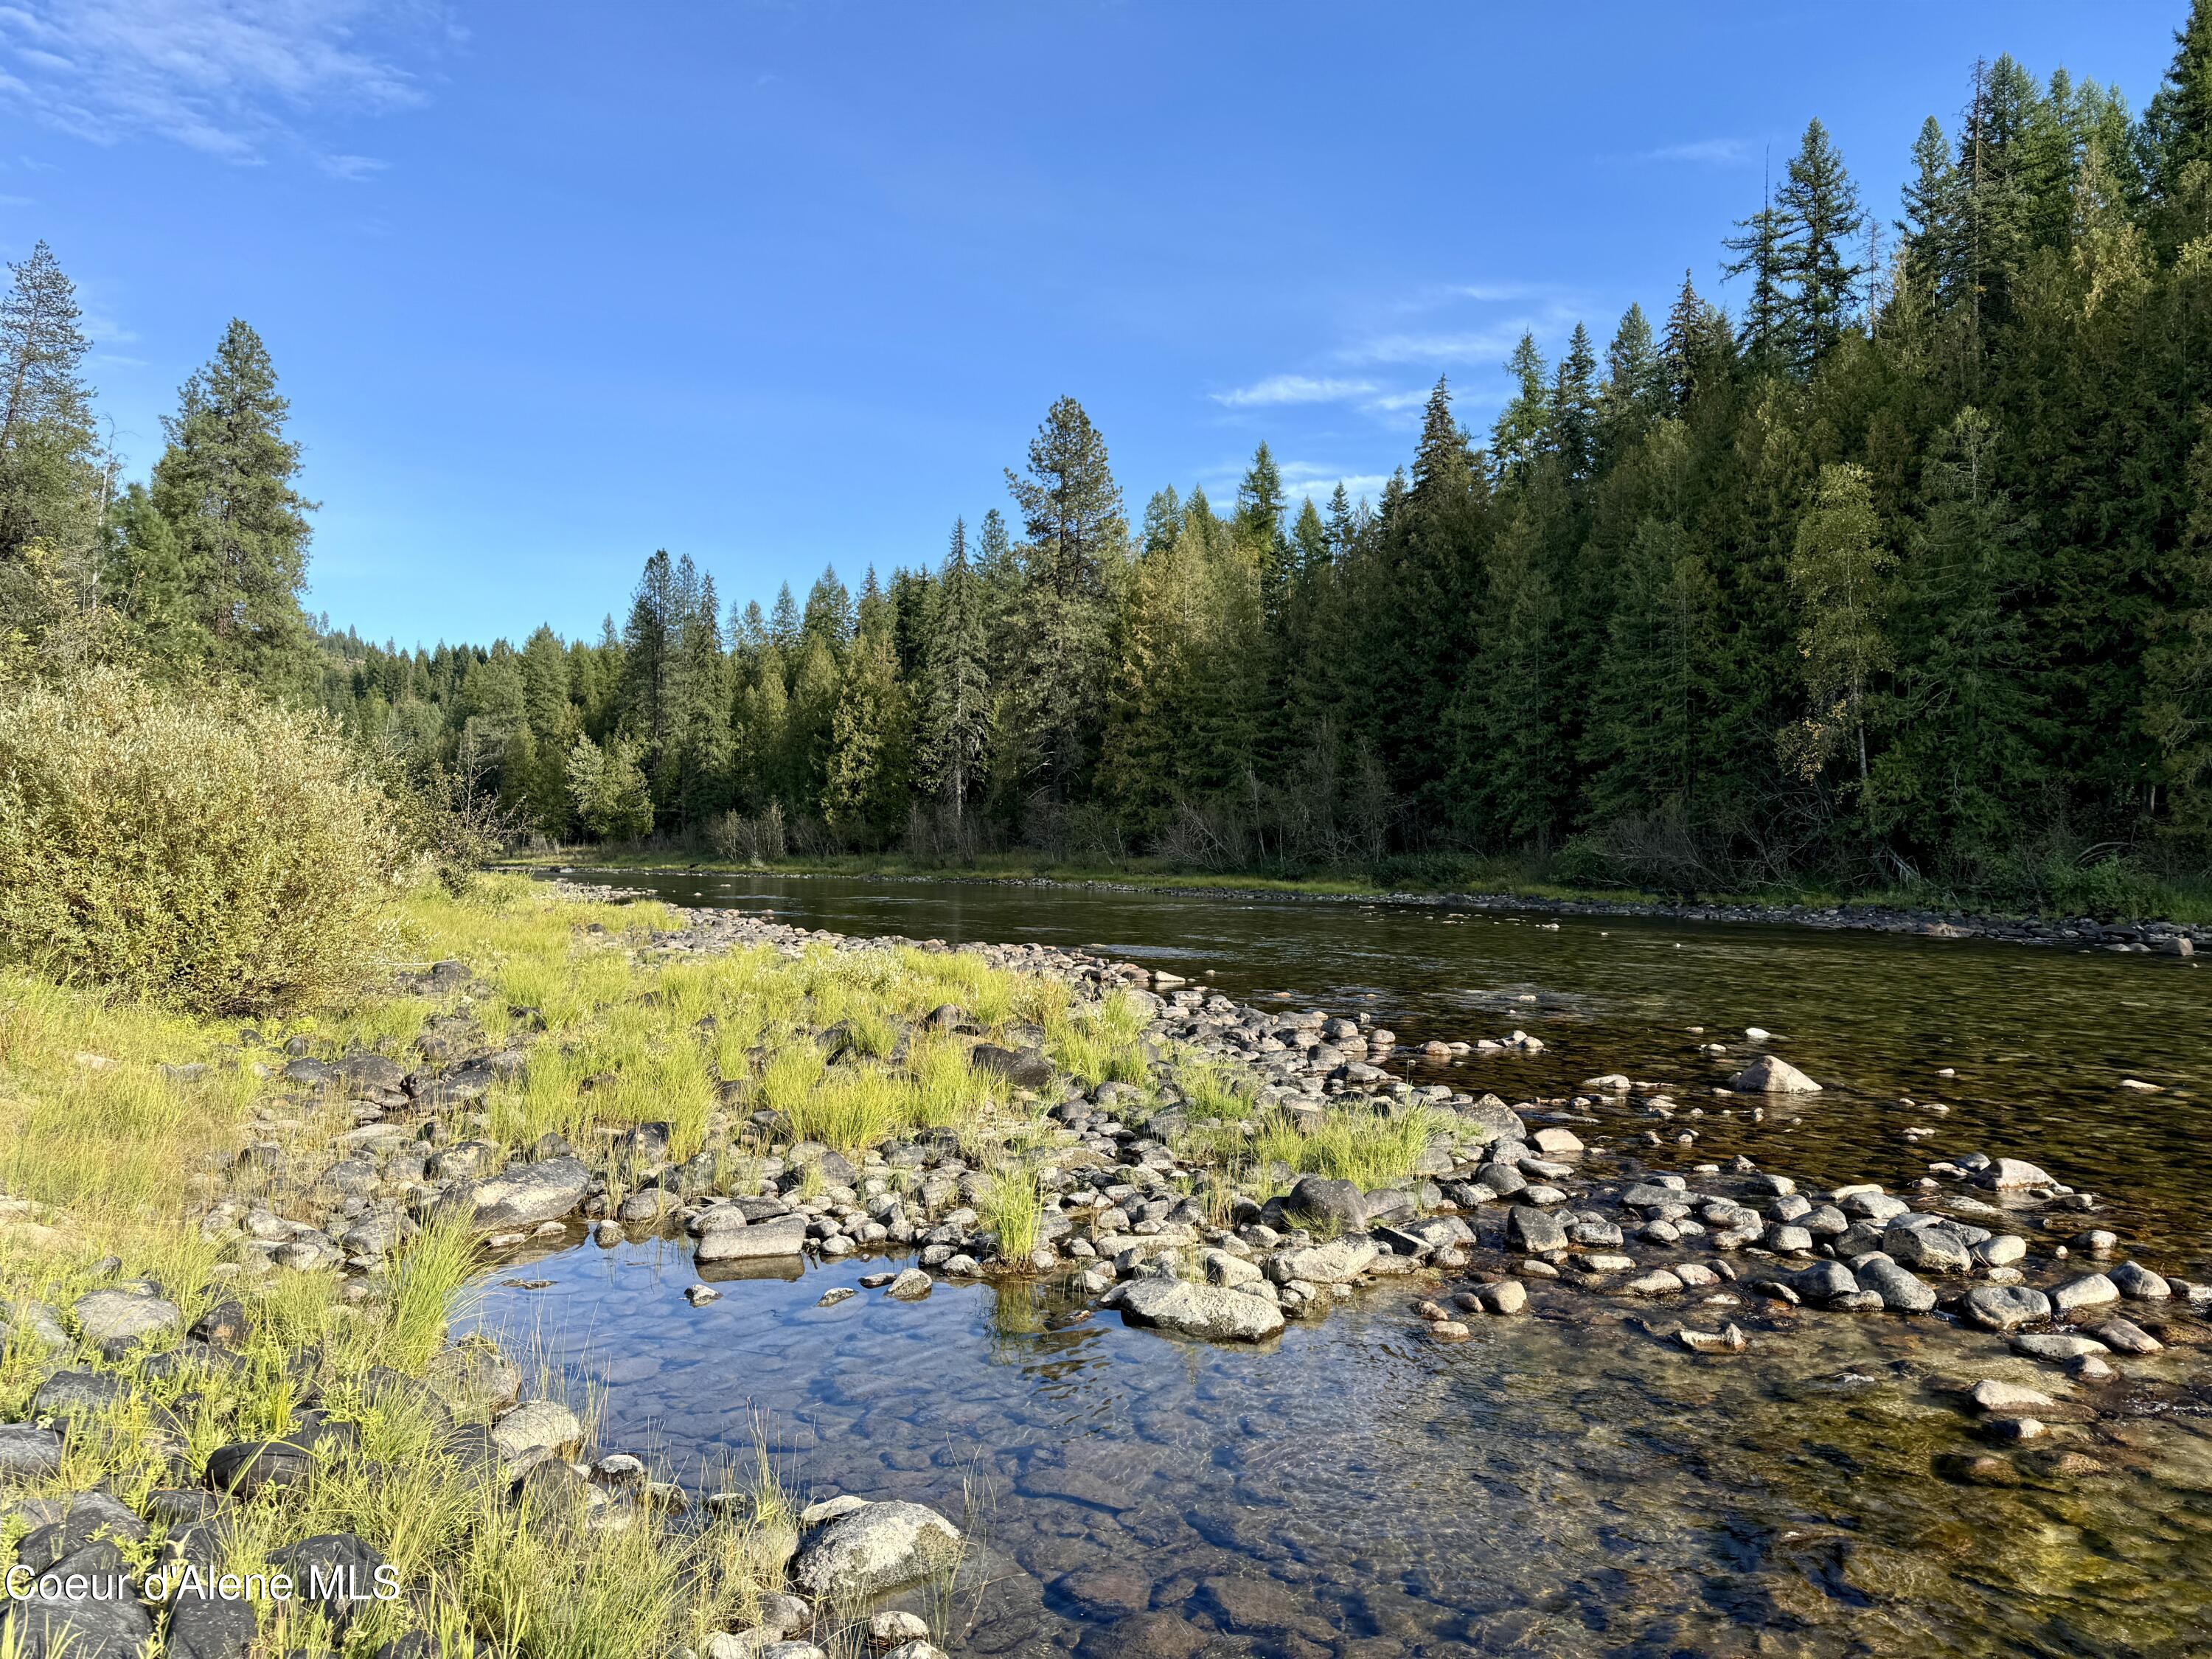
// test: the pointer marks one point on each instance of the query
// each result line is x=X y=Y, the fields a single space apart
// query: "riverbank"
x=240 y=1352
x=2184 y=935
x=227 y=1307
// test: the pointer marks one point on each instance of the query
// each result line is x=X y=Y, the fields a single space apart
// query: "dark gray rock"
x=108 y=1622
x=1534 y=1231
x=28 y=1451
x=67 y=1393
x=368 y=1071
x=642 y=1144
x=2004 y=1307
x=1025 y=1068
x=1932 y=1248
x=222 y=1326
x=1823 y=1282
x=1900 y=1291
x=1337 y=1203
x=246 y=1467
x=205 y=1626
x=524 y=1194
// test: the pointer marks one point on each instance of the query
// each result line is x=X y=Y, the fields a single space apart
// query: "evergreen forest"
x=1893 y=572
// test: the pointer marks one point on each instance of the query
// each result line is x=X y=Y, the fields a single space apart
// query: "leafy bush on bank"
x=203 y=848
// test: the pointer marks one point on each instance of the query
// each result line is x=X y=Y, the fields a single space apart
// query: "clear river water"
x=1568 y=1484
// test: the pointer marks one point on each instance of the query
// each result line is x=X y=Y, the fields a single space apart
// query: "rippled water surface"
x=1566 y=1483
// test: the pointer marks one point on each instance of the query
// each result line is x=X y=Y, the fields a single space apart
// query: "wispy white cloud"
x=1311 y=478
x=1497 y=292
x=1300 y=479
x=103 y=330
x=1485 y=346
x=351 y=168
x=222 y=77
x=1291 y=389
x=1702 y=152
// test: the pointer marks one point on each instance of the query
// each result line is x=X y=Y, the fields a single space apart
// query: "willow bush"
x=202 y=849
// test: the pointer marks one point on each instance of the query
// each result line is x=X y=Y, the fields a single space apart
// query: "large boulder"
x=1900 y=1289
x=2004 y=1307
x=67 y=1393
x=204 y=1625
x=1534 y=1231
x=2013 y=1174
x=63 y=1627
x=1932 y=1248
x=1211 y=1312
x=1337 y=1263
x=874 y=1548
x=524 y=1194
x=1487 y=1120
x=1340 y=1204
x=784 y=1236
x=115 y=1321
x=533 y=1431
x=1769 y=1074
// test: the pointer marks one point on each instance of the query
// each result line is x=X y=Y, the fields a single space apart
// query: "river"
x=1555 y=1486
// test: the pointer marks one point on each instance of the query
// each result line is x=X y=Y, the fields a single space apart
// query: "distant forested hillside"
x=1896 y=572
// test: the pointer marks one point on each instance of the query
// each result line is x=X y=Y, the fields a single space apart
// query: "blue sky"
x=553 y=284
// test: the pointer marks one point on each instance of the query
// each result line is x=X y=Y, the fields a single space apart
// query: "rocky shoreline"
x=2139 y=937
x=1553 y=1208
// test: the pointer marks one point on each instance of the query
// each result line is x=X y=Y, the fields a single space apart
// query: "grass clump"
x=1363 y=1148
x=1012 y=1206
x=217 y=854
x=1102 y=1041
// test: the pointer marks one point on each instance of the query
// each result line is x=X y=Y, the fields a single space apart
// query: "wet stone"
x=2125 y=1336
x=2089 y=1291
x=2005 y=1306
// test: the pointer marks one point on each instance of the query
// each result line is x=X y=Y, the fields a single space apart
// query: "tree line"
x=1899 y=571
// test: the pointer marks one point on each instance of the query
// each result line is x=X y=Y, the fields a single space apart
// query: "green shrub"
x=205 y=850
